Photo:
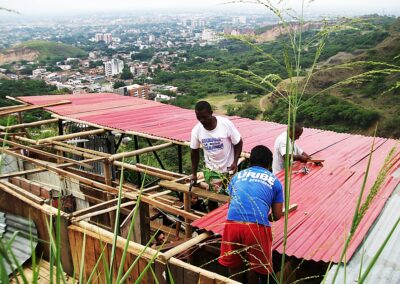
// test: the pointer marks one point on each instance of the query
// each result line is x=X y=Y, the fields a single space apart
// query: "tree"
x=126 y=73
x=119 y=84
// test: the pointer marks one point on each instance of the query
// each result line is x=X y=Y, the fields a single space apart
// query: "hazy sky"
x=31 y=7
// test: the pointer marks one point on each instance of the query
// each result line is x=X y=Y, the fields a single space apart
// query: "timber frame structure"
x=25 y=190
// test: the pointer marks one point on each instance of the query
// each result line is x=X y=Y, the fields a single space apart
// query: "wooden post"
x=180 y=163
x=187 y=205
x=108 y=181
x=137 y=160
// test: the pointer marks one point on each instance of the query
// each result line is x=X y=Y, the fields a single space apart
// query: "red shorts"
x=247 y=241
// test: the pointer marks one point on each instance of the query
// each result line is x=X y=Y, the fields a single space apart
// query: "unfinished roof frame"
x=67 y=168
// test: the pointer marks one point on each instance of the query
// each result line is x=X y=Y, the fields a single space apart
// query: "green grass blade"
x=81 y=269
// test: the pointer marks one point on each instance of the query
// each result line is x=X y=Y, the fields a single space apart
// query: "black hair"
x=298 y=127
x=261 y=156
x=203 y=105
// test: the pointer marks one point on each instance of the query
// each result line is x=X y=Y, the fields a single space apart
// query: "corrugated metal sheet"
x=326 y=197
x=21 y=233
x=387 y=268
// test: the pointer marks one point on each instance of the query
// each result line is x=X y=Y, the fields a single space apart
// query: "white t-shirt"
x=217 y=144
x=278 y=162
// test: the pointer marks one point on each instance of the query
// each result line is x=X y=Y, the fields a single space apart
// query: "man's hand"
x=233 y=168
x=193 y=179
x=304 y=158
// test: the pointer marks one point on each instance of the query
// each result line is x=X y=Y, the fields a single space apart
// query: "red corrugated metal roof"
x=326 y=197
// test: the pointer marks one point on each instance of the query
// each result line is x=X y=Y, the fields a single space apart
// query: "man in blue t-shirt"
x=254 y=192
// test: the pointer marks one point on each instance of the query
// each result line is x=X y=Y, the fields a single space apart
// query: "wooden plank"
x=176 y=272
x=191 y=277
x=76 y=249
x=205 y=280
x=13 y=190
x=199 y=191
x=160 y=270
x=31 y=107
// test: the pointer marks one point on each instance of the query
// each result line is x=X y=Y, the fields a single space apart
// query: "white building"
x=113 y=67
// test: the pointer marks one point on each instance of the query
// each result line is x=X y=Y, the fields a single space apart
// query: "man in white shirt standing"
x=278 y=163
x=222 y=146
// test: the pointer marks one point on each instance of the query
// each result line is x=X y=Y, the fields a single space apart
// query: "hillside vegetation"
x=44 y=51
x=212 y=71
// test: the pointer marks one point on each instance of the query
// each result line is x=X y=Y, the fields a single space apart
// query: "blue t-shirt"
x=252 y=193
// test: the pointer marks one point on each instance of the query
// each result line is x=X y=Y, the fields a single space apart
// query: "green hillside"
x=49 y=51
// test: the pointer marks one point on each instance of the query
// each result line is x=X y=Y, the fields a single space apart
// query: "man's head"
x=261 y=156
x=204 y=113
x=298 y=130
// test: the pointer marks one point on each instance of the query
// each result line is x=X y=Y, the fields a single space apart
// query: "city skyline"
x=49 y=7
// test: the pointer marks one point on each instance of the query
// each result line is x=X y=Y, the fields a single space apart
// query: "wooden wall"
x=181 y=272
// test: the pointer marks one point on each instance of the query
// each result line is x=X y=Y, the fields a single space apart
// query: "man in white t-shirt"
x=222 y=146
x=278 y=163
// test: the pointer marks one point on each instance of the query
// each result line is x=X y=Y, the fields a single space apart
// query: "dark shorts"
x=247 y=242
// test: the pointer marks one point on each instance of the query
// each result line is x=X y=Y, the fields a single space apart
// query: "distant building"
x=113 y=67
x=37 y=73
x=135 y=90
x=152 y=38
x=140 y=69
x=107 y=38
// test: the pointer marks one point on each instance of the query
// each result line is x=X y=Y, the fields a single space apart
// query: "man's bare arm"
x=276 y=211
x=195 y=157
x=237 y=150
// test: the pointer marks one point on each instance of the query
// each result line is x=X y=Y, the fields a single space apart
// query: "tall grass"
x=294 y=97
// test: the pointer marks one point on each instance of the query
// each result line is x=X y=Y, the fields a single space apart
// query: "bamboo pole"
x=169 y=208
x=44 y=153
x=35 y=171
x=161 y=171
x=197 y=190
x=70 y=136
x=31 y=107
x=185 y=246
x=94 y=207
x=107 y=210
x=138 y=152
x=187 y=205
x=88 y=151
x=31 y=124
x=137 y=169
x=59 y=171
